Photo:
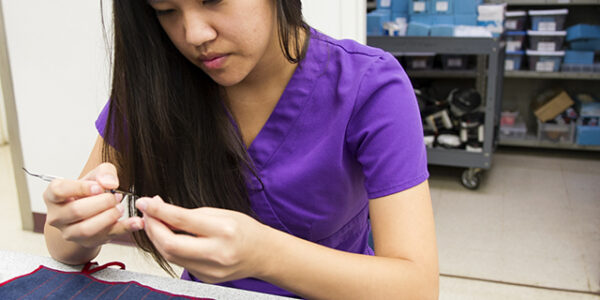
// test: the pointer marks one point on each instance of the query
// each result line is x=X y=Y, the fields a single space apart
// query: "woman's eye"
x=210 y=1
x=164 y=12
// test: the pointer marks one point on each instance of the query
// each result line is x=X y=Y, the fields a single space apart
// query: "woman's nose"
x=197 y=30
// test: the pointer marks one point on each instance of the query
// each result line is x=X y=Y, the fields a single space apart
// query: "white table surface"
x=13 y=264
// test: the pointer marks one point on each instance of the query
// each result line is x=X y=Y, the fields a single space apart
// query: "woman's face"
x=227 y=39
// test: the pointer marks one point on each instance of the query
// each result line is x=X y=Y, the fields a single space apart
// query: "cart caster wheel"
x=471 y=178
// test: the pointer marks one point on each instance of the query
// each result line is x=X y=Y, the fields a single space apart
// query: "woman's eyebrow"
x=154 y=1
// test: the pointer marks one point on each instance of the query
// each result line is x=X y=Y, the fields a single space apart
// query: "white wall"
x=60 y=77
x=338 y=18
x=3 y=125
x=60 y=73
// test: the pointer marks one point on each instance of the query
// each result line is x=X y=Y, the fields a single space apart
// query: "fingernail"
x=141 y=204
x=136 y=226
x=120 y=208
x=96 y=189
x=118 y=197
x=108 y=179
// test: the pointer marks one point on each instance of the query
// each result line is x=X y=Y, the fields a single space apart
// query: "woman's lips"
x=214 y=61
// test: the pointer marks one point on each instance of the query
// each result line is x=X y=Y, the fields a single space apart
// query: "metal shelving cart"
x=488 y=81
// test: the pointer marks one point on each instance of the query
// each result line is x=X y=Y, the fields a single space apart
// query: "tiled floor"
x=534 y=222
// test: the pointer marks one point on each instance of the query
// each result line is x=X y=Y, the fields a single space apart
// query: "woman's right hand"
x=84 y=212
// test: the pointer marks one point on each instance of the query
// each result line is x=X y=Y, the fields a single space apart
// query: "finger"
x=93 y=227
x=60 y=190
x=176 y=247
x=193 y=221
x=125 y=226
x=83 y=208
x=105 y=174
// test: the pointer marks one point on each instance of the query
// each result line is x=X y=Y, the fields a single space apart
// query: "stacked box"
x=588 y=125
x=546 y=40
x=545 y=61
x=515 y=20
x=419 y=61
x=548 y=20
x=512 y=60
x=515 y=40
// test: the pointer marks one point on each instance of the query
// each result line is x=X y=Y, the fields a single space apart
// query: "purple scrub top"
x=346 y=129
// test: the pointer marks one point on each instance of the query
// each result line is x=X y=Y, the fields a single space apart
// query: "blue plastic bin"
x=419 y=7
x=579 y=57
x=442 y=7
x=422 y=19
x=548 y=20
x=545 y=61
x=384 y=4
x=512 y=60
x=586 y=45
x=583 y=32
x=375 y=21
x=466 y=6
x=400 y=6
x=442 y=30
x=418 y=29
x=465 y=19
x=443 y=20
x=589 y=134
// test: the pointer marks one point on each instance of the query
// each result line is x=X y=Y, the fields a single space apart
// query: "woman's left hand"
x=222 y=245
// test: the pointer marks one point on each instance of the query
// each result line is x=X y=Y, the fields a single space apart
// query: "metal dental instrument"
x=49 y=178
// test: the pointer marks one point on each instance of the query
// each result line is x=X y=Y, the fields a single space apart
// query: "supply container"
x=545 y=61
x=556 y=133
x=508 y=118
x=515 y=131
x=466 y=6
x=442 y=7
x=455 y=62
x=546 y=40
x=419 y=61
x=515 y=40
x=515 y=20
x=588 y=125
x=419 y=7
x=579 y=57
x=583 y=32
x=513 y=59
x=586 y=45
x=548 y=20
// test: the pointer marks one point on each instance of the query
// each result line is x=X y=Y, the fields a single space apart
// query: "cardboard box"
x=554 y=107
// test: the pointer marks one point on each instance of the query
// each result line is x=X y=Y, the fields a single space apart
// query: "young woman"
x=265 y=146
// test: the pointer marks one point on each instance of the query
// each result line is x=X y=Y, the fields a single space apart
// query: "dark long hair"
x=167 y=121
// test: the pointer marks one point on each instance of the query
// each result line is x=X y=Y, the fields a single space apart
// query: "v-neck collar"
x=288 y=108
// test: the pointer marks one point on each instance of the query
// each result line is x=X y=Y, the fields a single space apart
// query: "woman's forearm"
x=316 y=272
x=65 y=251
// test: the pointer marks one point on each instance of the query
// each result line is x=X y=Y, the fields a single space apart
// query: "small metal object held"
x=49 y=178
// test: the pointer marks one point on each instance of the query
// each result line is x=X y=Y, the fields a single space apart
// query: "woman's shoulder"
x=345 y=48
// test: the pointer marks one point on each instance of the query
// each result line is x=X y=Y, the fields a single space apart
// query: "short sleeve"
x=385 y=131
x=102 y=119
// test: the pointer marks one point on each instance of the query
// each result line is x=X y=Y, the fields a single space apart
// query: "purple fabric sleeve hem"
x=398 y=188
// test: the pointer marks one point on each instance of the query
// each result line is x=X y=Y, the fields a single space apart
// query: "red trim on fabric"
x=39 y=286
x=13 y=279
x=123 y=292
x=58 y=287
x=87 y=269
x=111 y=283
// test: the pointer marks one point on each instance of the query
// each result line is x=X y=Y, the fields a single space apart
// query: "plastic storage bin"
x=515 y=131
x=579 y=57
x=400 y=7
x=588 y=125
x=548 y=20
x=583 y=31
x=466 y=6
x=419 y=7
x=586 y=45
x=508 y=118
x=465 y=19
x=513 y=60
x=417 y=29
x=545 y=61
x=442 y=30
x=375 y=21
x=515 y=40
x=455 y=62
x=442 y=7
x=546 y=40
x=419 y=61
x=515 y=20
x=556 y=133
